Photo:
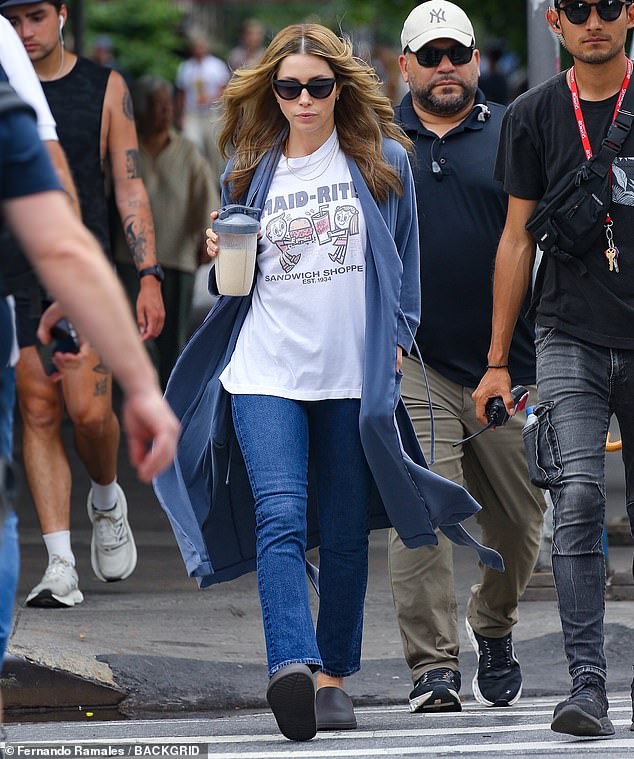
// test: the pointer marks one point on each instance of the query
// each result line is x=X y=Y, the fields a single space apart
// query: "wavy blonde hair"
x=254 y=123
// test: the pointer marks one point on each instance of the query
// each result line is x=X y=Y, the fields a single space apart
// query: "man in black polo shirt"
x=461 y=211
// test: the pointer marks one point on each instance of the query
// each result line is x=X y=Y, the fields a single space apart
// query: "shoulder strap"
x=617 y=134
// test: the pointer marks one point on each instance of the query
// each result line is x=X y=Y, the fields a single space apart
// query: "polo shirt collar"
x=411 y=123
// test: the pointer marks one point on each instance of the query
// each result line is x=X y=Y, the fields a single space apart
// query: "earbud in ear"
x=62 y=21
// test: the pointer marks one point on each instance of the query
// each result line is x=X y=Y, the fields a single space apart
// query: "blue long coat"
x=206 y=492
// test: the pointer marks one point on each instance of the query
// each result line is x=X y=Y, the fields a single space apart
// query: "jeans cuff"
x=314 y=664
x=330 y=673
x=589 y=669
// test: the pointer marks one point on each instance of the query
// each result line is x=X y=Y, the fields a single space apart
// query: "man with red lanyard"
x=584 y=337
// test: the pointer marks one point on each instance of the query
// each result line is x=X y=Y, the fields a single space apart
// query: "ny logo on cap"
x=437 y=16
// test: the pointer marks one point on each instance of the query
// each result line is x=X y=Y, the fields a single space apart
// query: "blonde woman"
x=294 y=428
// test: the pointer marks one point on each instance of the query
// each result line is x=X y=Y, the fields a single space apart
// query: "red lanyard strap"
x=576 y=104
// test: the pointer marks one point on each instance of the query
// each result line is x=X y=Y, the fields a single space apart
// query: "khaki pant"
x=494 y=467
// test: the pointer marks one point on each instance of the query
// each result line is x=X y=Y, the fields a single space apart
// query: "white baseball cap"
x=434 y=20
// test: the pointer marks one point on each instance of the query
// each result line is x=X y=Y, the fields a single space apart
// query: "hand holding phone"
x=496 y=412
x=64 y=339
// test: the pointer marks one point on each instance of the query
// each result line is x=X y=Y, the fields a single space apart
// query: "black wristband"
x=152 y=271
x=497 y=366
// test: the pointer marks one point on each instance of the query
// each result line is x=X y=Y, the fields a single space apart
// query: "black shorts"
x=30 y=304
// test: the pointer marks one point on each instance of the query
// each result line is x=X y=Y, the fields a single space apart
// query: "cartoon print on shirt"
x=321 y=220
x=346 y=224
x=277 y=232
x=277 y=228
x=623 y=181
x=295 y=236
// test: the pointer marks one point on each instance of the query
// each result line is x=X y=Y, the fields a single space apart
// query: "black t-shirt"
x=540 y=142
x=76 y=102
x=461 y=214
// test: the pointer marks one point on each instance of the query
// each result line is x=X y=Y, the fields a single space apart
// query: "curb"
x=27 y=685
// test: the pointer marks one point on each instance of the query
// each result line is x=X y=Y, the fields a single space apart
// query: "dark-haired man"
x=92 y=107
x=584 y=307
x=63 y=255
x=461 y=212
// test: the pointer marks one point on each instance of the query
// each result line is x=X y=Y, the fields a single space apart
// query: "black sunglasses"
x=289 y=89
x=430 y=57
x=579 y=12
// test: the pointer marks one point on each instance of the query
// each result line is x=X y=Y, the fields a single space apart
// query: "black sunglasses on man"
x=430 y=57
x=578 y=12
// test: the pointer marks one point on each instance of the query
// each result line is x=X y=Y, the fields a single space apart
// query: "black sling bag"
x=570 y=217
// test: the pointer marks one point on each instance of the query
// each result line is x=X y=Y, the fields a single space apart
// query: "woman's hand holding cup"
x=237 y=226
x=212 y=237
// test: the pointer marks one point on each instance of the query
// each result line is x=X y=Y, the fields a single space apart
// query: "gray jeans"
x=582 y=385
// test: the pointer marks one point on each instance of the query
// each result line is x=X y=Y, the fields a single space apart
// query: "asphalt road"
x=520 y=731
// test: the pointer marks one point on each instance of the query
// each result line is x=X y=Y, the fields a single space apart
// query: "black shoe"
x=436 y=691
x=585 y=711
x=291 y=696
x=334 y=709
x=498 y=681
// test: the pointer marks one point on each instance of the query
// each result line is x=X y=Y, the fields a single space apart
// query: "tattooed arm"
x=132 y=202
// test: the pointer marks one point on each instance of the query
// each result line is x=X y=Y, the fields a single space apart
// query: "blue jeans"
x=7 y=406
x=9 y=566
x=9 y=553
x=275 y=436
x=585 y=384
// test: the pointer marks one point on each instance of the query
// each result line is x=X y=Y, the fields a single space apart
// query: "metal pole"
x=543 y=46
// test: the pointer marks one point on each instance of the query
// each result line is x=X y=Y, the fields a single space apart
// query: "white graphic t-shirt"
x=304 y=334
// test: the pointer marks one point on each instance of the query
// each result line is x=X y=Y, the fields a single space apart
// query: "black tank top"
x=76 y=101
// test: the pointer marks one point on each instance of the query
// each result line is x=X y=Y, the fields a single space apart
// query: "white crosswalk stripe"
x=520 y=731
x=523 y=730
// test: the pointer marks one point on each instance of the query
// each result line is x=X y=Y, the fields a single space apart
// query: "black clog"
x=291 y=696
x=334 y=709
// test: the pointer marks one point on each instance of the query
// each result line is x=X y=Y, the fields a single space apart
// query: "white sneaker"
x=59 y=587
x=112 y=549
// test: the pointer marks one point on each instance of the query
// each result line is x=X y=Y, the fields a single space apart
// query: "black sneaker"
x=436 y=691
x=585 y=711
x=498 y=681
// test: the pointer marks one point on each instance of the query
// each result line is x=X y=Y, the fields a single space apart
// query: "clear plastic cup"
x=237 y=229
